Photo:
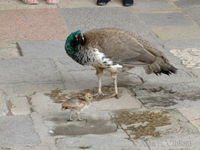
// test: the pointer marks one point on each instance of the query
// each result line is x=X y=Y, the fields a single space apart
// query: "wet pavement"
x=152 y=112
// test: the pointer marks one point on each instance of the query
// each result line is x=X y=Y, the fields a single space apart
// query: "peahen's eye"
x=76 y=36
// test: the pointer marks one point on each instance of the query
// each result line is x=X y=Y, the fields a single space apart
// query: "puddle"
x=64 y=127
x=99 y=128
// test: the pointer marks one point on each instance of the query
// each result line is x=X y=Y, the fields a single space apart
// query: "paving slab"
x=93 y=142
x=71 y=65
x=42 y=49
x=196 y=72
x=9 y=50
x=185 y=3
x=27 y=89
x=29 y=71
x=44 y=105
x=17 y=130
x=26 y=148
x=155 y=6
x=194 y=12
x=165 y=19
x=192 y=114
x=20 y=106
x=42 y=130
x=175 y=95
x=177 y=32
x=16 y=25
x=20 y=102
x=115 y=17
x=3 y=104
x=113 y=104
x=181 y=44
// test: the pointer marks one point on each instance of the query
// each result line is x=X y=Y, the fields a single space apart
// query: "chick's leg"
x=78 y=112
x=70 y=115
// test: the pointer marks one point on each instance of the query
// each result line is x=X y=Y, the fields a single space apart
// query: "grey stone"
x=154 y=6
x=42 y=130
x=40 y=147
x=194 y=12
x=177 y=32
x=95 y=142
x=42 y=49
x=20 y=110
x=29 y=71
x=71 y=65
x=44 y=105
x=190 y=114
x=3 y=105
x=20 y=102
x=196 y=72
x=181 y=44
x=26 y=89
x=186 y=3
x=126 y=101
x=115 y=17
x=17 y=130
x=86 y=79
x=165 y=19
x=174 y=95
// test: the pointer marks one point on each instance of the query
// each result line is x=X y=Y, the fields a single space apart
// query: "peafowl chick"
x=116 y=50
x=77 y=104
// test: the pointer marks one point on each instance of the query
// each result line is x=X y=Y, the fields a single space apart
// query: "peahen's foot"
x=100 y=94
x=114 y=95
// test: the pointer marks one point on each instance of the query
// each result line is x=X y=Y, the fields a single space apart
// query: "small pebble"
x=51 y=132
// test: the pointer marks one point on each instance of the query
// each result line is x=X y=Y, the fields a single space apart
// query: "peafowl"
x=77 y=104
x=116 y=49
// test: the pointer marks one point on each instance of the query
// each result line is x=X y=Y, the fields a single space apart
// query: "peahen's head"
x=72 y=42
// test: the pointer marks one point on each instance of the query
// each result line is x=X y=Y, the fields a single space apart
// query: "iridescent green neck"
x=71 y=45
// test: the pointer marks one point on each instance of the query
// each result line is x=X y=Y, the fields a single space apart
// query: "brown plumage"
x=114 y=49
x=77 y=104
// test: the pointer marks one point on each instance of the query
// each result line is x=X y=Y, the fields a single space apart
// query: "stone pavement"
x=152 y=113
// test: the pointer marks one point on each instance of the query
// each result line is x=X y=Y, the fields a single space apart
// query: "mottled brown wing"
x=119 y=45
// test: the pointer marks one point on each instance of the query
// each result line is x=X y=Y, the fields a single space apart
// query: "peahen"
x=115 y=49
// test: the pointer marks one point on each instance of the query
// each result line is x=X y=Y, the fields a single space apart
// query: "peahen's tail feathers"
x=161 y=65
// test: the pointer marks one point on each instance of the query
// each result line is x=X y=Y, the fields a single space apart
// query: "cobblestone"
x=3 y=104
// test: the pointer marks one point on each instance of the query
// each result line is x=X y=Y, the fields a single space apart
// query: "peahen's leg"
x=114 y=76
x=99 y=72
